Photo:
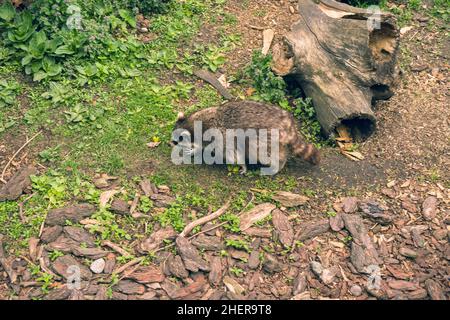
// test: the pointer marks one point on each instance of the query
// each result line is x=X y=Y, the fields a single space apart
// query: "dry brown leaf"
x=106 y=196
x=250 y=91
x=344 y=133
x=289 y=199
x=353 y=155
x=153 y=145
x=256 y=214
x=267 y=40
x=223 y=80
x=102 y=181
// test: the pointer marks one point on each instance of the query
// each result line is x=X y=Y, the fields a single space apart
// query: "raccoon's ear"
x=181 y=116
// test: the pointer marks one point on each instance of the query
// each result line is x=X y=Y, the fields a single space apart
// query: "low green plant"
x=237 y=271
x=50 y=154
x=55 y=254
x=310 y=127
x=8 y=92
x=107 y=226
x=269 y=87
x=214 y=58
x=237 y=244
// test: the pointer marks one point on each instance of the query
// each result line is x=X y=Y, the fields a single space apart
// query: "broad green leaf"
x=64 y=50
x=40 y=75
x=26 y=60
x=7 y=12
x=128 y=17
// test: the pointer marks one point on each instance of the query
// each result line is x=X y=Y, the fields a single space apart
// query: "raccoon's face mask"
x=183 y=139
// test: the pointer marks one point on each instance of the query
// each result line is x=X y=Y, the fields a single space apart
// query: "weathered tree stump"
x=344 y=58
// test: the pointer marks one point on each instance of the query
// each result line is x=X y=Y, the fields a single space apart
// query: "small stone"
x=356 y=290
x=291 y=9
x=98 y=266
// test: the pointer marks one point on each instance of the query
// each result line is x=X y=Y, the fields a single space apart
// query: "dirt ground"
x=401 y=190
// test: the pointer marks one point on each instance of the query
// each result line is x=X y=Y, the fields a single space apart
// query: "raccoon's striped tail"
x=306 y=151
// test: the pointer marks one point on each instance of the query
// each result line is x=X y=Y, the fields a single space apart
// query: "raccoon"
x=249 y=115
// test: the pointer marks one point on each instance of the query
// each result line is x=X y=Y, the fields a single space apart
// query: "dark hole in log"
x=382 y=42
x=360 y=128
x=380 y=92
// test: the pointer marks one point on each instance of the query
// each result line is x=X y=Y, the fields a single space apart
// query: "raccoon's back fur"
x=254 y=115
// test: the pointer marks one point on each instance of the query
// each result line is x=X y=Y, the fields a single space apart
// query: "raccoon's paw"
x=243 y=170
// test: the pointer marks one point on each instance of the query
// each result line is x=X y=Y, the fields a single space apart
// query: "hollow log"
x=344 y=58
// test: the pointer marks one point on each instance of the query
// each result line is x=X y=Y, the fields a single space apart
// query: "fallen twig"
x=135 y=203
x=4 y=263
x=256 y=27
x=2 y=178
x=21 y=215
x=127 y=265
x=191 y=226
x=116 y=248
x=211 y=79
x=209 y=229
